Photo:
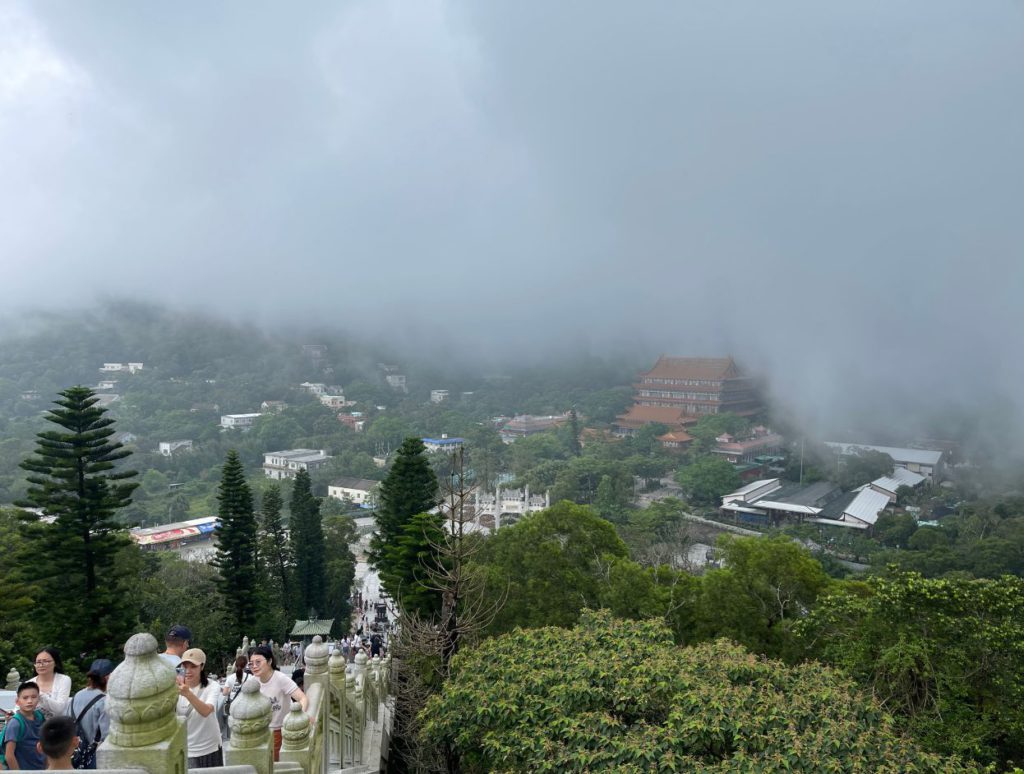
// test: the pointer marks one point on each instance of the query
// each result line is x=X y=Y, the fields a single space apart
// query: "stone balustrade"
x=347 y=722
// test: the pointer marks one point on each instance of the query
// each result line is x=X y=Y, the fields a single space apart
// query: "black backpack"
x=84 y=756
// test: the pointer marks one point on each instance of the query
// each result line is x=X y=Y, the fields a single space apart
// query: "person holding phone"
x=197 y=698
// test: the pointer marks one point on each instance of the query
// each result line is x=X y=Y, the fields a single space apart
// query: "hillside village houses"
x=273 y=406
x=238 y=421
x=107 y=384
x=361 y=491
x=130 y=368
x=438 y=396
x=353 y=420
x=314 y=388
x=106 y=399
x=396 y=382
x=168 y=448
x=287 y=463
x=336 y=401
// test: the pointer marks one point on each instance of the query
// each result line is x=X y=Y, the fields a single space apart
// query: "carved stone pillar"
x=141 y=697
x=251 y=742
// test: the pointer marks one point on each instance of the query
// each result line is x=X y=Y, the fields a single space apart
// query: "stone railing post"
x=142 y=695
x=13 y=680
x=296 y=738
x=351 y=729
x=251 y=743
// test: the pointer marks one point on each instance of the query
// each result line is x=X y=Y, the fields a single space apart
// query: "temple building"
x=678 y=391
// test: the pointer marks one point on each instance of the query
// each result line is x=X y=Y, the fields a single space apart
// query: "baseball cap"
x=179 y=632
x=194 y=656
x=101 y=667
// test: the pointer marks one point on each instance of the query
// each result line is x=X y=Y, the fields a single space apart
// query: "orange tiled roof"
x=676 y=436
x=706 y=368
x=666 y=415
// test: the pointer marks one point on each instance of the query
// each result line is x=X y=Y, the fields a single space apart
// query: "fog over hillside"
x=830 y=193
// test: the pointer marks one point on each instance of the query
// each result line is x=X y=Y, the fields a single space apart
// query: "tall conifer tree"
x=73 y=478
x=275 y=552
x=409 y=489
x=307 y=538
x=236 y=558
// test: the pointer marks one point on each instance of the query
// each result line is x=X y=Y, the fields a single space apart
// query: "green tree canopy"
x=765 y=587
x=706 y=479
x=612 y=695
x=945 y=654
x=552 y=564
x=74 y=478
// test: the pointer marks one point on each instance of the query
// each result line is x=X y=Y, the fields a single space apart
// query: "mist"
x=832 y=194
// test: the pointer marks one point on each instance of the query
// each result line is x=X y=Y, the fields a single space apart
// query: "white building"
x=238 y=421
x=120 y=367
x=287 y=463
x=361 y=491
x=925 y=462
x=104 y=400
x=167 y=448
x=107 y=384
x=438 y=396
x=335 y=401
x=314 y=388
x=396 y=381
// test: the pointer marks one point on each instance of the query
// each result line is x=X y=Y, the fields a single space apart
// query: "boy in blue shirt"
x=22 y=732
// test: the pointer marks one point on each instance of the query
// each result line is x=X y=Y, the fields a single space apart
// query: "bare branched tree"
x=424 y=647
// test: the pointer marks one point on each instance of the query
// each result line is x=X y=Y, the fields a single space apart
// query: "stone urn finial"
x=141 y=695
x=316 y=657
x=13 y=680
x=295 y=732
x=336 y=666
x=245 y=644
x=250 y=716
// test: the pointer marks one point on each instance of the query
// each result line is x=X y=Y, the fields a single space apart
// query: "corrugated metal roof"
x=907 y=477
x=915 y=456
x=866 y=506
x=321 y=626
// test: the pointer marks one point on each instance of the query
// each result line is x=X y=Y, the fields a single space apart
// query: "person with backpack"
x=232 y=687
x=88 y=707
x=22 y=732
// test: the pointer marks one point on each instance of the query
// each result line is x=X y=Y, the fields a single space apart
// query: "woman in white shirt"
x=54 y=685
x=279 y=688
x=197 y=699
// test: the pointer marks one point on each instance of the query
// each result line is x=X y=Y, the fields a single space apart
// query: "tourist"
x=89 y=705
x=54 y=685
x=230 y=690
x=22 y=732
x=277 y=687
x=177 y=640
x=196 y=703
x=57 y=743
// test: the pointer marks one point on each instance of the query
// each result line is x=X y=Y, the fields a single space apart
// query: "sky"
x=833 y=193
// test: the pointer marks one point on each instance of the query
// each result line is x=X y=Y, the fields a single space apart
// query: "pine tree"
x=307 y=539
x=73 y=478
x=410 y=488
x=274 y=550
x=236 y=559
x=575 y=448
